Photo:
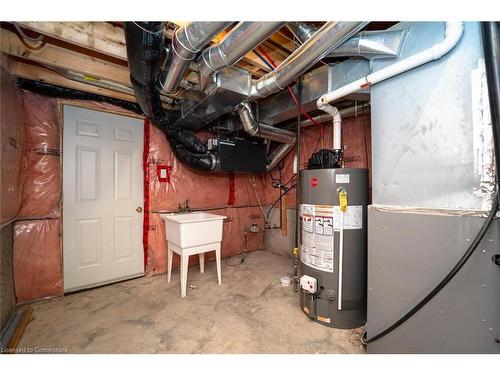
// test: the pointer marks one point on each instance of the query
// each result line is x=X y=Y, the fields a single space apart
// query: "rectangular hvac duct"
x=230 y=87
x=280 y=107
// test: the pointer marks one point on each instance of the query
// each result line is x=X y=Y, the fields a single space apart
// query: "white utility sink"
x=193 y=229
x=190 y=234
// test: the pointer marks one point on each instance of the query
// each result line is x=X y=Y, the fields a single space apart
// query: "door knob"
x=139 y=209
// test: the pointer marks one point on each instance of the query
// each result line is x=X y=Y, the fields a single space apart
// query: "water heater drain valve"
x=309 y=284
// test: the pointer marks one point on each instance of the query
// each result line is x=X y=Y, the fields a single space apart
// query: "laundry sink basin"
x=193 y=229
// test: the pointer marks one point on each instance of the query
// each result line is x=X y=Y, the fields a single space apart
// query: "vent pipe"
x=187 y=41
x=255 y=129
x=328 y=37
x=244 y=37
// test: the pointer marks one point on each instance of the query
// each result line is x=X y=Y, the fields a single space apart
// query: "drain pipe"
x=337 y=125
x=186 y=43
x=244 y=37
x=453 y=34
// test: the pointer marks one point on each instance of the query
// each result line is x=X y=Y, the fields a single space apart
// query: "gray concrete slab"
x=249 y=313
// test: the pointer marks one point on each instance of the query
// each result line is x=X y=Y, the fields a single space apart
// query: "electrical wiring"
x=40 y=39
x=258 y=201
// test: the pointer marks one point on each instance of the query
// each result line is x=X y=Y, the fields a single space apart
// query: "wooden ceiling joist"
x=36 y=73
x=63 y=58
x=98 y=49
x=98 y=36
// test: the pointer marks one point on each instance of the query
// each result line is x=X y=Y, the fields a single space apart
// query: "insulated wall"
x=236 y=196
x=37 y=236
x=37 y=250
x=12 y=139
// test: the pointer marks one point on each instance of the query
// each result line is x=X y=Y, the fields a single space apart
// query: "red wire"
x=294 y=98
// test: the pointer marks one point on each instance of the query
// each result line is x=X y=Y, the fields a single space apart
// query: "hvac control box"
x=241 y=155
x=333 y=245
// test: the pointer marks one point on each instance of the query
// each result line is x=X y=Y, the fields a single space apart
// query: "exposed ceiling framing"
x=97 y=51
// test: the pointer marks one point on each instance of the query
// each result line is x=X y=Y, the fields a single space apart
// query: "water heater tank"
x=333 y=246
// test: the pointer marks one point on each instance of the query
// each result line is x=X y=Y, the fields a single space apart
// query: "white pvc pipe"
x=337 y=125
x=453 y=34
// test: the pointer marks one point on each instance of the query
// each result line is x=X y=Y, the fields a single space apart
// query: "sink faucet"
x=185 y=207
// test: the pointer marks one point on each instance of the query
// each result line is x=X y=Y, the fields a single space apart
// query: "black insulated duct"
x=146 y=51
x=53 y=91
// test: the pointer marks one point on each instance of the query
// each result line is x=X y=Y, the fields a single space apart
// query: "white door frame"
x=60 y=107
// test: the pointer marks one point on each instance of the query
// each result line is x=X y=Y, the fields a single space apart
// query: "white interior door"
x=102 y=198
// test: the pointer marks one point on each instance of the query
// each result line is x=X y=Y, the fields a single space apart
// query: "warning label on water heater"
x=319 y=223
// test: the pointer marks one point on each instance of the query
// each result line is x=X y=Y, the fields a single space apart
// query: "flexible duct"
x=53 y=91
x=145 y=50
x=241 y=39
x=328 y=37
x=186 y=43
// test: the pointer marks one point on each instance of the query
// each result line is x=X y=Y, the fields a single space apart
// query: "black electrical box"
x=241 y=155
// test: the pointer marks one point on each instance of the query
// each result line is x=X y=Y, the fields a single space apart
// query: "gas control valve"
x=309 y=284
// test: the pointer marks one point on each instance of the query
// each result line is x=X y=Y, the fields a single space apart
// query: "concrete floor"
x=249 y=313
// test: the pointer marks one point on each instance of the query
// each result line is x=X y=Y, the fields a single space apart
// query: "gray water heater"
x=333 y=205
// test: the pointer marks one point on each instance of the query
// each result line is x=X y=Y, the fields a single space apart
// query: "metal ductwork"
x=302 y=30
x=255 y=129
x=244 y=37
x=187 y=41
x=384 y=44
x=146 y=51
x=233 y=86
x=328 y=37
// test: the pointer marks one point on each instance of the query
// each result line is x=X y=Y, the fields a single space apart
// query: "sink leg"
x=202 y=262
x=169 y=264
x=217 y=259
x=184 y=272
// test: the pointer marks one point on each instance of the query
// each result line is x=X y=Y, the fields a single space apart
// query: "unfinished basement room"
x=250 y=187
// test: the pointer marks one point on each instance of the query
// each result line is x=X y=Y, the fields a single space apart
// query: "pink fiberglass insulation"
x=232 y=237
x=12 y=138
x=41 y=173
x=37 y=259
x=356 y=138
x=210 y=191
